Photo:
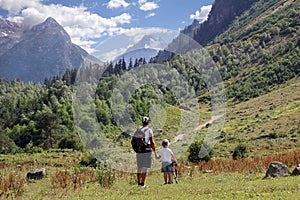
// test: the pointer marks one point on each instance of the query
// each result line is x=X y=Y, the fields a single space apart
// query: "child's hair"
x=165 y=143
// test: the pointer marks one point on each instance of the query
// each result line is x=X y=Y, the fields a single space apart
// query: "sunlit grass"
x=226 y=179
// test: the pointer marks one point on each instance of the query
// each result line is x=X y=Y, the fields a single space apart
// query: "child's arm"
x=157 y=156
x=173 y=158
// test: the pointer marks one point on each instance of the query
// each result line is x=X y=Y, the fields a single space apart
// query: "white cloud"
x=125 y=18
x=112 y=55
x=14 y=7
x=82 y=25
x=150 y=15
x=116 y=46
x=201 y=14
x=117 y=4
x=147 y=6
x=138 y=33
x=142 y=1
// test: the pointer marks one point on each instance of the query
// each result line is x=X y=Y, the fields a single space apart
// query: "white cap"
x=145 y=119
x=165 y=142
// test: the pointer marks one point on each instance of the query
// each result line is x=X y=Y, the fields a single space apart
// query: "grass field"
x=209 y=186
x=65 y=178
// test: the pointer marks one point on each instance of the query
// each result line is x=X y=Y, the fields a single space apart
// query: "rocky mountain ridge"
x=221 y=15
x=42 y=51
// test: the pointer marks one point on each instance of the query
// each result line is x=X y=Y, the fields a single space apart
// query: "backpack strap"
x=145 y=129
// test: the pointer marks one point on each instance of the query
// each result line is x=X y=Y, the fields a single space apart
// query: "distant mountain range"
x=147 y=47
x=45 y=50
x=42 y=51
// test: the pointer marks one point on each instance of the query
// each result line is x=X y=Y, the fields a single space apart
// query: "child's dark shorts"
x=166 y=167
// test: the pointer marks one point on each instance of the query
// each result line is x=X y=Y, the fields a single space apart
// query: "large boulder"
x=296 y=171
x=277 y=169
x=36 y=174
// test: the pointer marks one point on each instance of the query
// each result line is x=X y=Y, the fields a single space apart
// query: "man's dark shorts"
x=144 y=159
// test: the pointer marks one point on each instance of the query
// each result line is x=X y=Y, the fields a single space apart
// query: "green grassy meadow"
x=66 y=179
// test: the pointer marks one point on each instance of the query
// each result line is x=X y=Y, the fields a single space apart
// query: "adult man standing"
x=144 y=159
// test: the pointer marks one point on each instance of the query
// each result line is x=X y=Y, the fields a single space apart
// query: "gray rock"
x=296 y=171
x=36 y=174
x=277 y=169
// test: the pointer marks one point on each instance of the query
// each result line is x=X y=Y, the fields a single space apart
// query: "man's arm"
x=152 y=143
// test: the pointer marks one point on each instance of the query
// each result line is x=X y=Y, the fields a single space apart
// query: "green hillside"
x=260 y=50
x=257 y=57
x=265 y=125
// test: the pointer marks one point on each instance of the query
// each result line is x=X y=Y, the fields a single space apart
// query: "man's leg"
x=139 y=175
x=143 y=175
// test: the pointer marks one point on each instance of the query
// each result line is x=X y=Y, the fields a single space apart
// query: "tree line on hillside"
x=40 y=116
x=121 y=66
x=35 y=117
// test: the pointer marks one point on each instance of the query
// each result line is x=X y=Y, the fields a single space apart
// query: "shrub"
x=89 y=161
x=7 y=145
x=239 y=151
x=194 y=151
x=30 y=148
x=105 y=176
x=70 y=143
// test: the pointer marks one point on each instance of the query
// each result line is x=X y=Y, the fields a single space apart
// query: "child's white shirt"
x=166 y=155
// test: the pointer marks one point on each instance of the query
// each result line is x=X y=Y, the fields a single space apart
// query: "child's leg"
x=166 y=177
x=175 y=174
x=170 y=177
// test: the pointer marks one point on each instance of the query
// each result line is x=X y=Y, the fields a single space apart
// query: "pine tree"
x=130 y=65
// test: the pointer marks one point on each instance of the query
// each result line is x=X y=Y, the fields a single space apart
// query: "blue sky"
x=91 y=21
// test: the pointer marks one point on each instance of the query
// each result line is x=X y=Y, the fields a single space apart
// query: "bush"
x=239 y=152
x=89 y=161
x=7 y=145
x=194 y=151
x=105 y=176
x=30 y=148
x=70 y=143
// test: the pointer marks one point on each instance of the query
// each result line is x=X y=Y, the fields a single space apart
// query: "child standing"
x=167 y=156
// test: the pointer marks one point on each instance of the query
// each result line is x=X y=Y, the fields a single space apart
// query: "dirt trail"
x=213 y=118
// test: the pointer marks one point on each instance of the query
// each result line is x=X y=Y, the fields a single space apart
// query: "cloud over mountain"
x=43 y=51
x=201 y=14
x=91 y=22
x=82 y=25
